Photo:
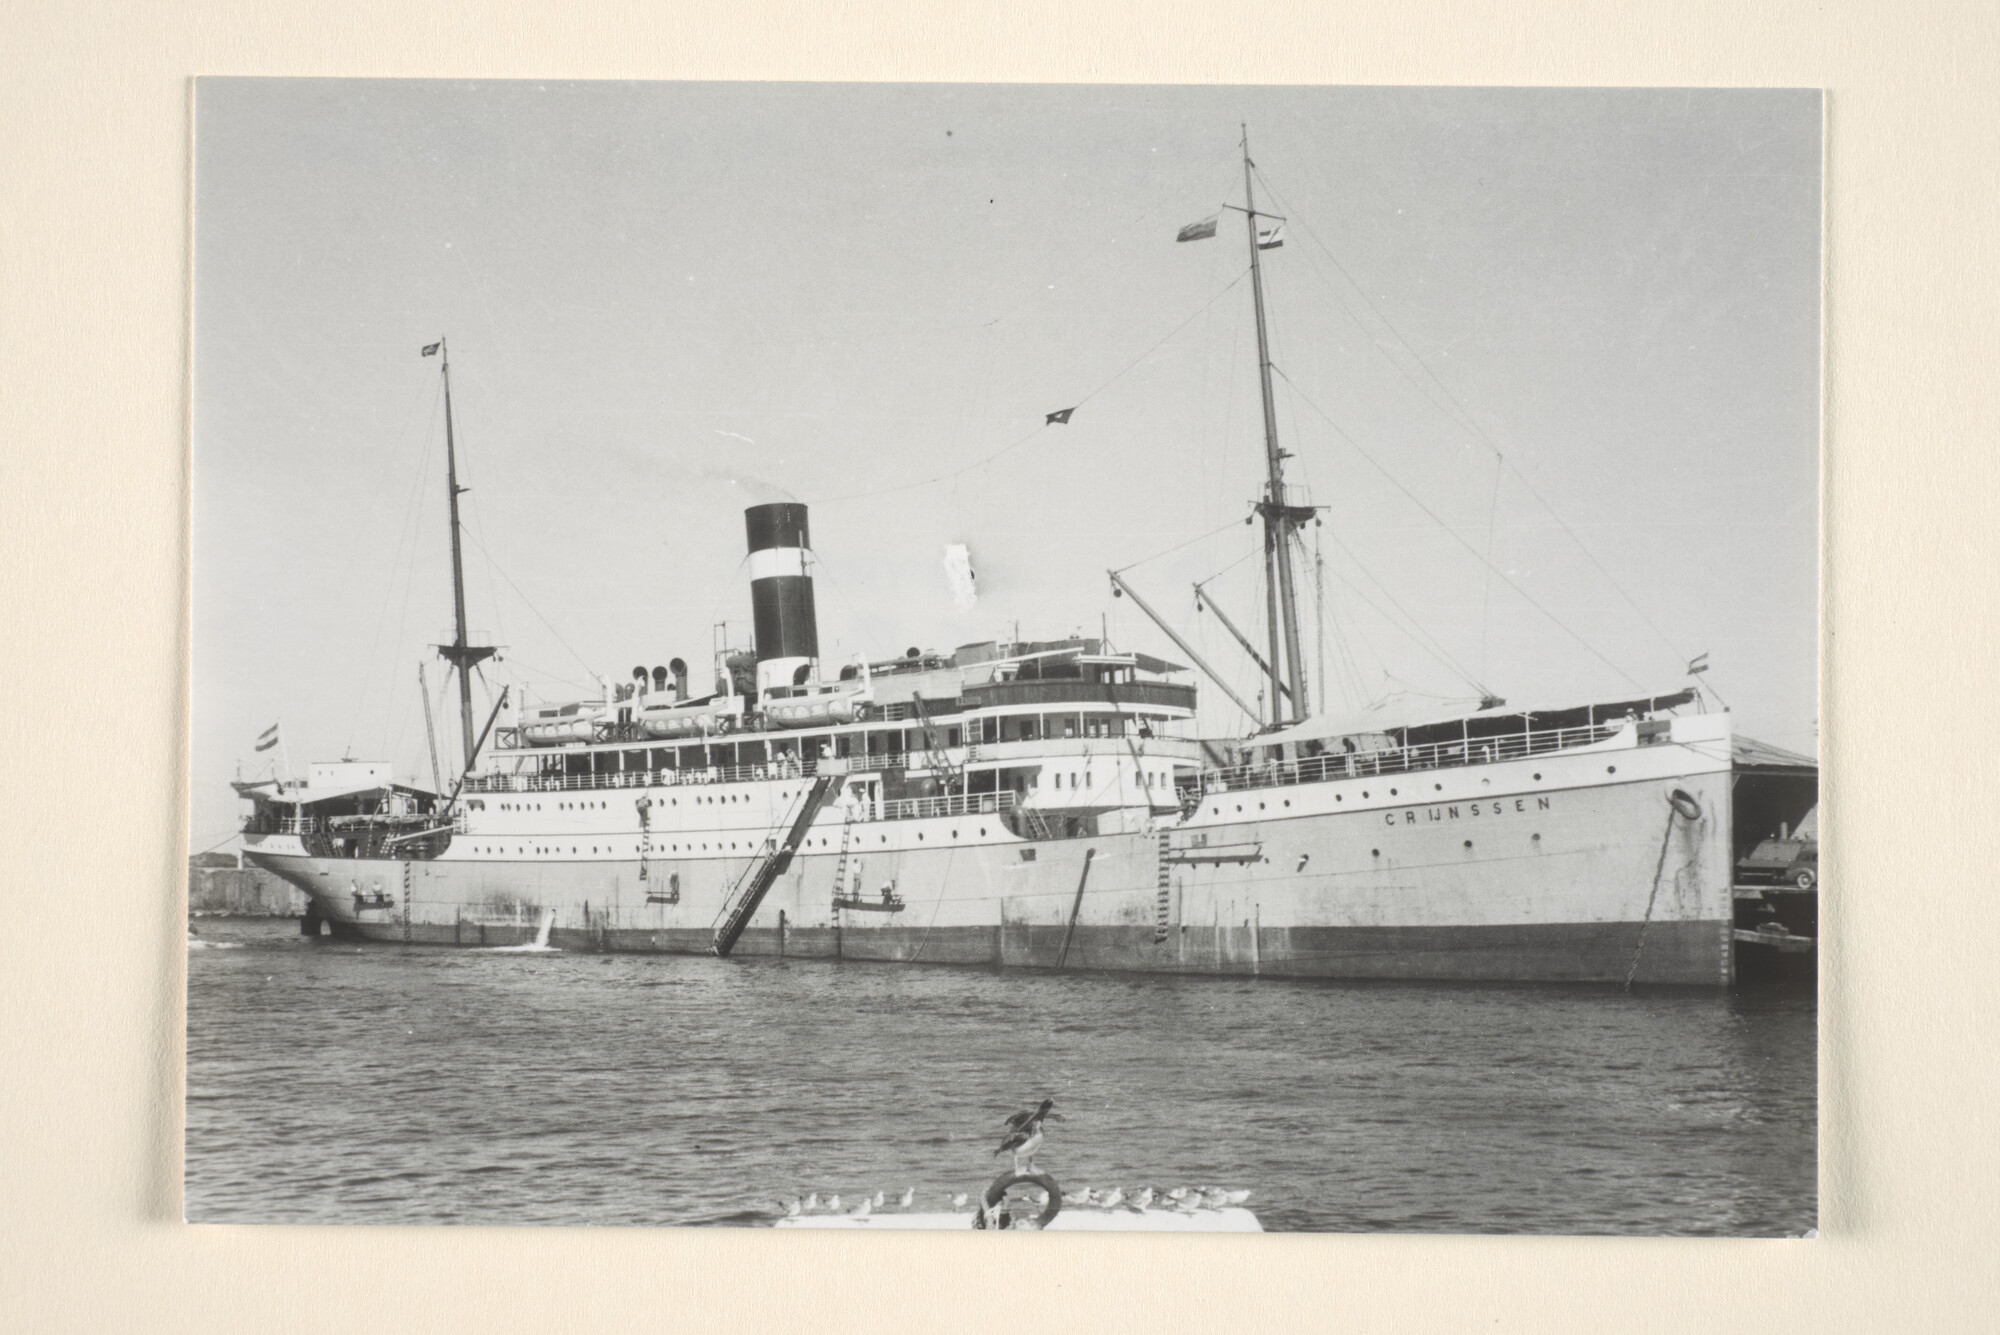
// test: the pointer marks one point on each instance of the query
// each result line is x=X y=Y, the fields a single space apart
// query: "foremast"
x=1281 y=519
x=458 y=653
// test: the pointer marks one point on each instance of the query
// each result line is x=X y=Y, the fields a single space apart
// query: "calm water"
x=331 y=1083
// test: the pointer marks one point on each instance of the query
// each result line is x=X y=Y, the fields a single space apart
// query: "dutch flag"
x=268 y=739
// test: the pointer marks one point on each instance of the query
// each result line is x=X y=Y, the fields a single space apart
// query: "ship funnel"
x=781 y=594
x=680 y=671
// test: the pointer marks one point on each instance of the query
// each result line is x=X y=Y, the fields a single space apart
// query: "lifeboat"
x=558 y=726
x=811 y=711
x=716 y=714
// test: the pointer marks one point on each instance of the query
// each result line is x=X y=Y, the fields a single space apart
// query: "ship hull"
x=1555 y=868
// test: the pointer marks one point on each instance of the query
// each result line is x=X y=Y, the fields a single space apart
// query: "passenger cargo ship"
x=1043 y=804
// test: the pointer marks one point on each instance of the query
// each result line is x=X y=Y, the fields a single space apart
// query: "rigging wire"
x=1410 y=626
x=405 y=539
x=1454 y=533
x=1463 y=417
x=525 y=602
x=1036 y=431
x=1223 y=528
x=518 y=664
x=1486 y=588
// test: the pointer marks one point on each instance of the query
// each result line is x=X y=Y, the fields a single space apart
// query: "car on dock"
x=1791 y=862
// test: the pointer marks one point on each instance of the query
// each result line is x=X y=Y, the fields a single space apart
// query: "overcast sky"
x=1575 y=334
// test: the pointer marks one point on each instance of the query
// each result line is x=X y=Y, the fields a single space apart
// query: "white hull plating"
x=1572 y=865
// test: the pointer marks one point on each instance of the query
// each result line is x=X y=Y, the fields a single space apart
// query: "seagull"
x=1024 y=1135
x=812 y=1202
x=958 y=1201
x=1111 y=1201
x=1177 y=1194
x=878 y=1200
x=1214 y=1199
x=1236 y=1197
x=861 y=1211
x=1143 y=1199
x=1016 y=1121
x=1081 y=1196
x=833 y=1202
x=792 y=1208
x=907 y=1198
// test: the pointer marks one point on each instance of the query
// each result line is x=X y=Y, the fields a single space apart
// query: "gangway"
x=765 y=872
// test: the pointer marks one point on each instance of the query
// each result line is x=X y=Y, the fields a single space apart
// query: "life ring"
x=1684 y=804
x=1001 y=1185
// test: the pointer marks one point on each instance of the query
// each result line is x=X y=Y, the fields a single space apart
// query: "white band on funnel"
x=780 y=561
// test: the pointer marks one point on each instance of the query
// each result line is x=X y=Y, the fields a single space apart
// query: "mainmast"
x=1280 y=518
x=458 y=653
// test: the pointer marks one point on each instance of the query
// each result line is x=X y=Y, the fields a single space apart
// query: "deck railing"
x=1402 y=760
x=781 y=768
x=963 y=804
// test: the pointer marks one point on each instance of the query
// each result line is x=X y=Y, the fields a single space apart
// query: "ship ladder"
x=764 y=873
x=846 y=849
x=645 y=809
x=1163 y=897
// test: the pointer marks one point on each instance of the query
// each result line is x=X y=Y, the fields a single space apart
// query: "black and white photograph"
x=973 y=656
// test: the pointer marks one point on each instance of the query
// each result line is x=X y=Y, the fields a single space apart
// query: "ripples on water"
x=331 y=1083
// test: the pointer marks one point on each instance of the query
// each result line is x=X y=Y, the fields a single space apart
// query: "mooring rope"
x=1675 y=807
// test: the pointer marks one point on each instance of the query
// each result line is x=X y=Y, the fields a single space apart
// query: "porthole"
x=1215 y=811
x=1468 y=843
x=1260 y=806
x=1437 y=787
x=1338 y=798
x=1288 y=801
x=1538 y=778
x=1392 y=792
x=1239 y=806
x=920 y=836
x=1364 y=792
x=954 y=834
x=1536 y=838
x=1610 y=769
x=982 y=829
x=1374 y=852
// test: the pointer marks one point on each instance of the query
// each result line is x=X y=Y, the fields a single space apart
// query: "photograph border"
x=98 y=348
